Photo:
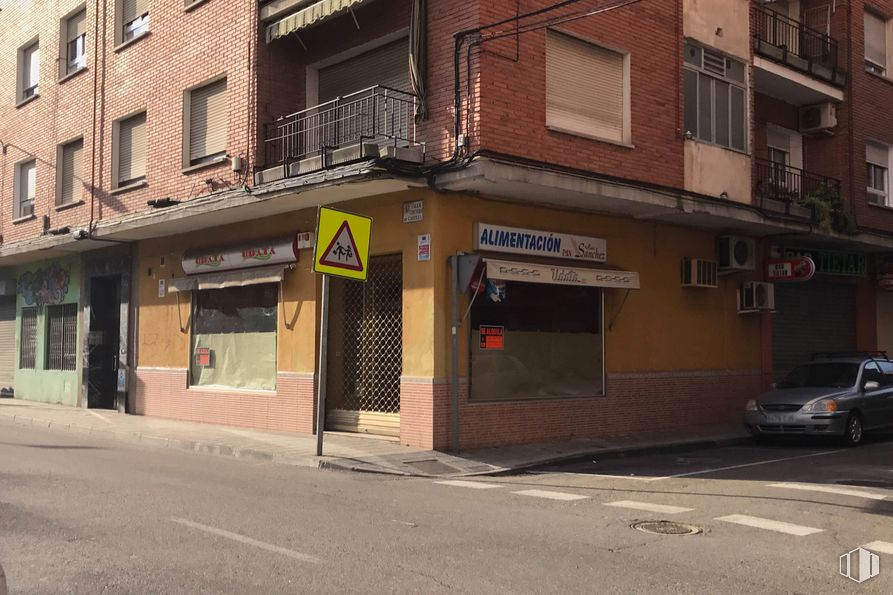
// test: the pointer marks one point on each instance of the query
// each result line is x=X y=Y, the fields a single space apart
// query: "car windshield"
x=831 y=374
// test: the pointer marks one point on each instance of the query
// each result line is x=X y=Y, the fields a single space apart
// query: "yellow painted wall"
x=662 y=326
x=161 y=344
x=713 y=170
x=702 y=18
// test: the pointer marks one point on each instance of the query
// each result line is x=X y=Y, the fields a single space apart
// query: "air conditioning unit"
x=756 y=296
x=737 y=254
x=698 y=272
x=818 y=118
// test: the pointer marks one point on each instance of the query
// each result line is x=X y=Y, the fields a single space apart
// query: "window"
x=715 y=104
x=75 y=51
x=69 y=169
x=28 y=339
x=877 y=164
x=25 y=184
x=876 y=32
x=551 y=342
x=62 y=326
x=134 y=19
x=586 y=89
x=29 y=72
x=131 y=154
x=206 y=123
x=234 y=337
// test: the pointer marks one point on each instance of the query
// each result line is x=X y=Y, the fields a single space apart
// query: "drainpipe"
x=454 y=353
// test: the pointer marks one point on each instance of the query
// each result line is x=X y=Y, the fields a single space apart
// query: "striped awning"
x=239 y=278
x=312 y=15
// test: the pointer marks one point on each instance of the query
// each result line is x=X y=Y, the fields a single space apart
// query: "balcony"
x=792 y=191
x=793 y=62
x=378 y=122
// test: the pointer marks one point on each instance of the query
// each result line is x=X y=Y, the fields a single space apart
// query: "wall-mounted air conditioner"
x=821 y=117
x=756 y=296
x=736 y=254
x=698 y=272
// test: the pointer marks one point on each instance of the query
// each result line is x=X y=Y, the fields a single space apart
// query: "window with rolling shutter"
x=71 y=188
x=585 y=88
x=877 y=166
x=29 y=72
x=75 y=51
x=26 y=183
x=875 y=43
x=132 y=150
x=134 y=18
x=387 y=66
x=207 y=123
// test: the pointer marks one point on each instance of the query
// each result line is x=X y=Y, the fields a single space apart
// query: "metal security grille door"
x=366 y=351
x=811 y=317
x=7 y=343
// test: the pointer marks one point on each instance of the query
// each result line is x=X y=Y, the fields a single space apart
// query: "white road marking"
x=884 y=547
x=93 y=413
x=806 y=487
x=648 y=507
x=743 y=465
x=475 y=485
x=247 y=540
x=551 y=495
x=769 y=524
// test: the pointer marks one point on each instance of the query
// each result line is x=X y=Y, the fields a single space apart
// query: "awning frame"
x=309 y=16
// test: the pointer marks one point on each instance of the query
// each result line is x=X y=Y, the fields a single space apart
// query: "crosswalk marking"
x=828 y=490
x=882 y=547
x=551 y=495
x=475 y=485
x=769 y=524
x=648 y=507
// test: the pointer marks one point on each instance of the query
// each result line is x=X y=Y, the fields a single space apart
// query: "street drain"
x=666 y=528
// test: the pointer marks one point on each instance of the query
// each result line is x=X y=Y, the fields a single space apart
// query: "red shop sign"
x=797 y=268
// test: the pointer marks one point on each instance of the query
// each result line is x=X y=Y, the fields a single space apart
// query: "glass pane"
x=691 y=102
x=693 y=55
x=705 y=108
x=738 y=119
x=735 y=70
x=721 y=90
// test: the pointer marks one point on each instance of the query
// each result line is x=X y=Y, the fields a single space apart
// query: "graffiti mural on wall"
x=44 y=286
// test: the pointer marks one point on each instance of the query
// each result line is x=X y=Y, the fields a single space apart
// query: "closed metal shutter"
x=131 y=9
x=7 y=342
x=811 y=317
x=207 y=122
x=584 y=87
x=387 y=66
x=77 y=26
x=132 y=150
x=72 y=189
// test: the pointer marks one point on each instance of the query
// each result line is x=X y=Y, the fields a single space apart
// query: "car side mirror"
x=870 y=385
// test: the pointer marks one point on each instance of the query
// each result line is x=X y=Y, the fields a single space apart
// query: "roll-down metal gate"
x=366 y=350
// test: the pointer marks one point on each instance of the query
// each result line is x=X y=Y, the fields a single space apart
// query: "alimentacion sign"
x=539 y=243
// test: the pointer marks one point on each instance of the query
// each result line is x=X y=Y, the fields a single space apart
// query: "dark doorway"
x=103 y=342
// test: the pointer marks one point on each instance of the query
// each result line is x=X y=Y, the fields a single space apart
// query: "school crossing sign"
x=342 y=244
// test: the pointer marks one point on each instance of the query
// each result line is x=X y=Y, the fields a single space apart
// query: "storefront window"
x=531 y=341
x=234 y=337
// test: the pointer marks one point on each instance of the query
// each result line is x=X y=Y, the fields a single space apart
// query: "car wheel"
x=853 y=432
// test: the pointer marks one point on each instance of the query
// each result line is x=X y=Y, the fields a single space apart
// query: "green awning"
x=312 y=15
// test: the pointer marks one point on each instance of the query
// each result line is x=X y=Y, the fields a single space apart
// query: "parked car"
x=841 y=395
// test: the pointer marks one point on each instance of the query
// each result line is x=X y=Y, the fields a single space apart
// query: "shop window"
x=28 y=339
x=234 y=337
x=532 y=341
x=62 y=329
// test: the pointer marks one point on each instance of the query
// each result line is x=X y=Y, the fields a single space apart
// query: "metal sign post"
x=323 y=360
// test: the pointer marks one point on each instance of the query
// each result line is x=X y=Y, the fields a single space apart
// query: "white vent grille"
x=714 y=63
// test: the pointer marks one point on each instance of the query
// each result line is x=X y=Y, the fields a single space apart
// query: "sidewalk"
x=342 y=451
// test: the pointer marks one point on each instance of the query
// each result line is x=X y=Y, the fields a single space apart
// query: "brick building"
x=572 y=202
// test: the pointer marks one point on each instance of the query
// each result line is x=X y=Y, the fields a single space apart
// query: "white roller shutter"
x=77 y=25
x=387 y=66
x=877 y=154
x=30 y=68
x=132 y=150
x=7 y=342
x=584 y=87
x=207 y=122
x=131 y=9
x=71 y=188
x=875 y=39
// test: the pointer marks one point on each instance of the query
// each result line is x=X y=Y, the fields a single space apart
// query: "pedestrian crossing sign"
x=342 y=244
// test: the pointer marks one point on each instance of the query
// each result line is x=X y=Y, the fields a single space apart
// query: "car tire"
x=853 y=432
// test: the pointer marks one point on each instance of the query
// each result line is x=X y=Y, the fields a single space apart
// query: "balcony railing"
x=378 y=115
x=788 y=185
x=790 y=41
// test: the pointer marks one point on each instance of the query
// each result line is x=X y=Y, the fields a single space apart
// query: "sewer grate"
x=666 y=528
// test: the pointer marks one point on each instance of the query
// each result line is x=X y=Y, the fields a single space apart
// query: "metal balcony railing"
x=379 y=115
x=794 y=39
x=789 y=185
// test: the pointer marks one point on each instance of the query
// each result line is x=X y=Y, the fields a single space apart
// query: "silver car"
x=832 y=395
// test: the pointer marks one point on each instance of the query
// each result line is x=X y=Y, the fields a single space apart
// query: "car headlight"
x=821 y=406
x=751 y=406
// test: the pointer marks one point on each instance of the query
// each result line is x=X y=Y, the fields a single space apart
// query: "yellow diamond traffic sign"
x=342 y=244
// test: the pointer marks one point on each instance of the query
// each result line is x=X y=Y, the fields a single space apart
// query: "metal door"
x=366 y=350
x=7 y=343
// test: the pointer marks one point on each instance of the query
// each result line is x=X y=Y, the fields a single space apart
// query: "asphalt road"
x=86 y=516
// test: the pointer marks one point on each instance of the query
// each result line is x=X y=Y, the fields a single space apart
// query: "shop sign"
x=798 y=268
x=539 y=243
x=492 y=337
x=425 y=246
x=414 y=211
x=162 y=287
x=202 y=357
x=557 y=275
x=851 y=264
x=278 y=251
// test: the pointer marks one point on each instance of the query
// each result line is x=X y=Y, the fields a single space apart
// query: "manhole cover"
x=666 y=528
